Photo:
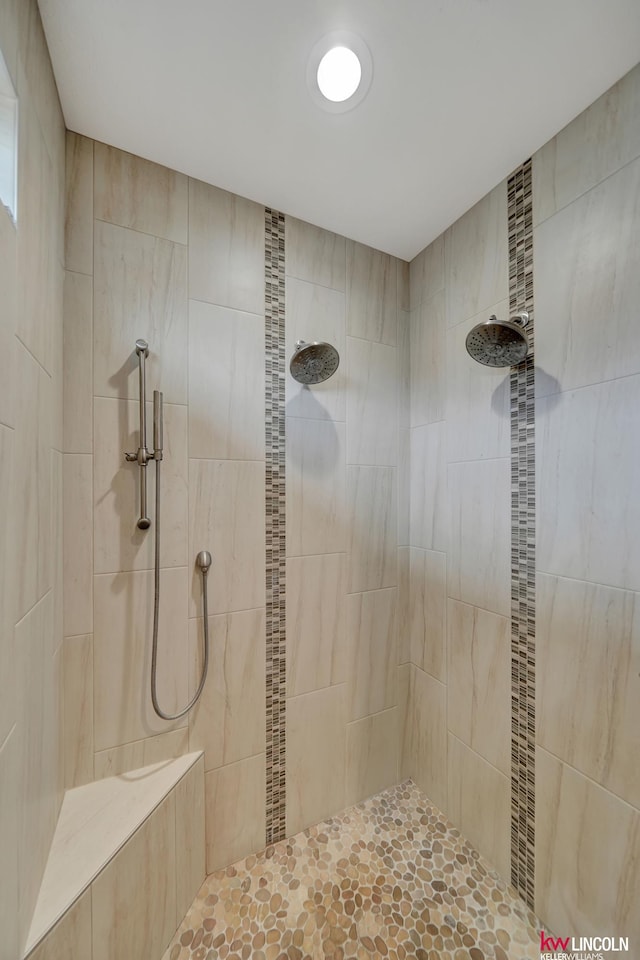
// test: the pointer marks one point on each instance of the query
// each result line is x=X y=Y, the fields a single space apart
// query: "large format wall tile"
x=404 y=487
x=587 y=855
x=603 y=138
x=480 y=804
x=190 y=837
x=134 y=898
x=586 y=312
x=10 y=791
x=123 y=610
x=235 y=811
x=404 y=369
x=79 y=204
x=228 y=722
x=316 y=629
x=9 y=23
x=37 y=680
x=427 y=614
x=226 y=360
x=226 y=248
x=8 y=269
x=404 y=601
x=479 y=689
x=403 y=286
x=77 y=385
x=372 y=632
x=71 y=937
x=476 y=257
x=78 y=544
x=428 y=371
x=139 y=291
x=426 y=273
x=37 y=86
x=428 y=495
x=588 y=473
x=478 y=397
x=426 y=742
x=588 y=680
x=479 y=559
x=136 y=193
x=313 y=313
x=118 y=543
x=372 y=398
x=78 y=710
x=7 y=589
x=316 y=750
x=315 y=254
x=371 y=294
x=38 y=250
x=372 y=755
x=372 y=509
x=405 y=719
x=226 y=510
x=31 y=515
x=316 y=521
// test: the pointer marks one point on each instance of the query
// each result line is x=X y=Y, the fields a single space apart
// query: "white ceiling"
x=463 y=91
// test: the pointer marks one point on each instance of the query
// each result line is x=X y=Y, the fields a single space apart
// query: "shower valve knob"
x=131 y=457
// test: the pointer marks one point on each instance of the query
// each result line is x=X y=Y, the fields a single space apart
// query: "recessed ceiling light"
x=339 y=71
x=339 y=74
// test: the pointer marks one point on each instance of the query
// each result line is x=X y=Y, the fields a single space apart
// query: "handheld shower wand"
x=203 y=560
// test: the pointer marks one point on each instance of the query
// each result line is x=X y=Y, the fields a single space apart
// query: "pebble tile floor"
x=388 y=878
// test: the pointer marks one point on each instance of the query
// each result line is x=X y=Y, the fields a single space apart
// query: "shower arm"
x=142 y=456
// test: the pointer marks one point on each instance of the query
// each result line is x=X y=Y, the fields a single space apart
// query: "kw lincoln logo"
x=580 y=948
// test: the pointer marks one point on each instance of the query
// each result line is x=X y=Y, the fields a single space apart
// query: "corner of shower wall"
x=464 y=634
x=31 y=270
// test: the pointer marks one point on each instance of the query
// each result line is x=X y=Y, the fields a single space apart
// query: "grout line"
x=589 y=779
x=143 y=233
x=586 y=386
x=314 y=283
x=584 y=193
x=504 y=775
x=224 y=306
x=591 y=583
x=8 y=736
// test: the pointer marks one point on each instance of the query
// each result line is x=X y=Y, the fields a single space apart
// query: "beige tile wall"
x=31 y=399
x=456 y=706
x=346 y=505
x=455 y=585
x=587 y=215
x=182 y=264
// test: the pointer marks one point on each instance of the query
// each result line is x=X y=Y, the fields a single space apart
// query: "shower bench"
x=126 y=861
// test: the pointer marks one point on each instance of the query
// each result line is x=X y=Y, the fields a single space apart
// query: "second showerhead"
x=314 y=362
x=499 y=343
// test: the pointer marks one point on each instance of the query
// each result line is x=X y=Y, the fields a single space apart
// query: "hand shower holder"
x=142 y=456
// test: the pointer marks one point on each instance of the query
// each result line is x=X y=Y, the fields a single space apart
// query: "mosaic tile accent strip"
x=275 y=456
x=523 y=529
x=390 y=877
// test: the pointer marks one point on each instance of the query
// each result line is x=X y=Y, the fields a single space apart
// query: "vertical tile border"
x=275 y=458
x=520 y=230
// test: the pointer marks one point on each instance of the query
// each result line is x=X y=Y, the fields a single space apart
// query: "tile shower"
x=389 y=655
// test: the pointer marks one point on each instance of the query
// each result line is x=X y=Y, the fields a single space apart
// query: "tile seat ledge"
x=95 y=822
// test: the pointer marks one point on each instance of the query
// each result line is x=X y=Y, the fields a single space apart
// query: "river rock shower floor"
x=390 y=877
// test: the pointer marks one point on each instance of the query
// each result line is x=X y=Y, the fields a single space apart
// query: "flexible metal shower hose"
x=156 y=611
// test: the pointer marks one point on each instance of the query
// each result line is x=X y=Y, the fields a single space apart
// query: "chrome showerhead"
x=313 y=362
x=499 y=343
